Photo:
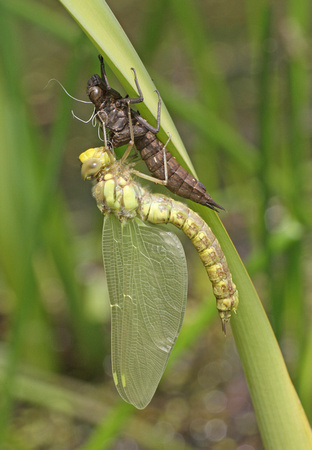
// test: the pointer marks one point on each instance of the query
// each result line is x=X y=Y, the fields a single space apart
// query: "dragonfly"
x=146 y=272
x=126 y=125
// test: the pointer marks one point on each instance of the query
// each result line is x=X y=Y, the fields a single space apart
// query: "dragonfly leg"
x=129 y=148
x=131 y=142
x=104 y=135
x=165 y=161
x=148 y=177
x=140 y=99
x=137 y=99
x=153 y=179
x=103 y=73
x=147 y=125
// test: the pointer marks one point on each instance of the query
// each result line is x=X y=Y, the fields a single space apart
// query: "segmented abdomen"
x=180 y=181
x=161 y=209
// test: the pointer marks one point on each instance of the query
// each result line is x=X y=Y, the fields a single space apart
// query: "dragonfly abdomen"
x=180 y=181
x=161 y=209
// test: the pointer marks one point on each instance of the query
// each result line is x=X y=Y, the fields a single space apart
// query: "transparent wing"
x=147 y=282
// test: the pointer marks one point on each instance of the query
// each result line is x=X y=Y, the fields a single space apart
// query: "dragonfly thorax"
x=118 y=194
x=115 y=191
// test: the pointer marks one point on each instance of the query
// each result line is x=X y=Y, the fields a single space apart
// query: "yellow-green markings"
x=130 y=198
x=123 y=379
x=147 y=265
x=115 y=378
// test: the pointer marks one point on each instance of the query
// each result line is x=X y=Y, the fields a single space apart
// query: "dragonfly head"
x=94 y=160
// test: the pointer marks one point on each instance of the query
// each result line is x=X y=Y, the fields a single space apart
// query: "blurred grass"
x=252 y=153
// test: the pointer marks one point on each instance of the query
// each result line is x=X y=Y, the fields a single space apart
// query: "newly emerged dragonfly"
x=114 y=113
x=146 y=272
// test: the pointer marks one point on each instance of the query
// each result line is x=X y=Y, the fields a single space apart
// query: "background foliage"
x=236 y=79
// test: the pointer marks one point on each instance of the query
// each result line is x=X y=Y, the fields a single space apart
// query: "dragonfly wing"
x=147 y=282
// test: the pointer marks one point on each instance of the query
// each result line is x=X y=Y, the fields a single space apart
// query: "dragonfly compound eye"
x=90 y=168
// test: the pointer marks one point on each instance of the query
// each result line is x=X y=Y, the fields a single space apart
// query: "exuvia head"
x=96 y=90
x=94 y=160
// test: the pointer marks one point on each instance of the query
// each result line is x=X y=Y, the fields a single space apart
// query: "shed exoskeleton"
x=112 y=110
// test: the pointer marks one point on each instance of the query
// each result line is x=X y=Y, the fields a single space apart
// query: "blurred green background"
x=236 y=78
